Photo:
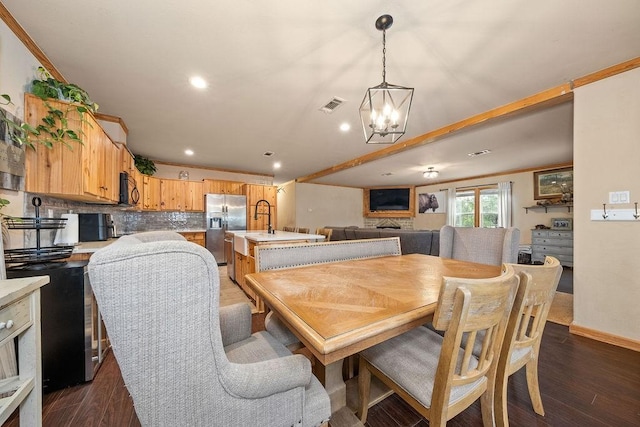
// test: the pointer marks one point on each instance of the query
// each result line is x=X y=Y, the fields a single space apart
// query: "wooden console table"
x=20 y=317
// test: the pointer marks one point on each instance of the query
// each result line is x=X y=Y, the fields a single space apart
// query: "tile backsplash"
x=126 y=221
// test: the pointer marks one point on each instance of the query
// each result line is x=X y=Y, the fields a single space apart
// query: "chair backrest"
x=274 y=257
x=326 y=232
x=287 y=228
x=493 y=246
x=479 y=309
x=529 y=314
x=303 y=230
x=160 y=305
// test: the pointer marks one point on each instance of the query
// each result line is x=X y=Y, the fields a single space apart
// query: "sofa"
x=425 y=242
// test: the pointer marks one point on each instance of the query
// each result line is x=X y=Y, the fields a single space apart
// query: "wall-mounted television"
x=389 y=199
x=389 y=202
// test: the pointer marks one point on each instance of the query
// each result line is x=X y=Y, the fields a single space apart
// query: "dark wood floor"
x=583 y=383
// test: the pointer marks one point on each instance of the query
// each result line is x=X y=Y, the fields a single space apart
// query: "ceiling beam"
x=547 y=98
x=29 y=43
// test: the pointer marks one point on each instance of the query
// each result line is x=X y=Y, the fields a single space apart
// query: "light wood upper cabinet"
x=150 y=193
x=86 y=172
x=181 y=195
x=195 y=196
x=254 y=193
x=214 y=186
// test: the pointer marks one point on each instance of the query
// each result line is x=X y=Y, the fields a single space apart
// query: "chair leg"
x=500 y=414
x=364 y=389
x=534 y=387
x=487 y=405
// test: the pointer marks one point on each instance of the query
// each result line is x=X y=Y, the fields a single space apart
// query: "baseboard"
x=605 y=337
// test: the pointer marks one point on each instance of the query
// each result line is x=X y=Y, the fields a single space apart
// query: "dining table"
x=341 y=308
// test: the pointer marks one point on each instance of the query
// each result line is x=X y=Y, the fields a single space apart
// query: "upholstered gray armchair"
x=483 y=245
x=184 y=359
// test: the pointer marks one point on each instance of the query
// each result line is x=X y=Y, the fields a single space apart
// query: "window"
x=478 y=207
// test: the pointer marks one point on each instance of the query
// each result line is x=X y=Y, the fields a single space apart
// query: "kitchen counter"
x=240 y=238
x=91 y=247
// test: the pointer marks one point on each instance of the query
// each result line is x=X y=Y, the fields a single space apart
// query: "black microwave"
x=94 y=227
x=129 y=194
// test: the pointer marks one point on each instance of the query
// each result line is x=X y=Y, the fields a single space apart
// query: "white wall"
x=286 y=211
x=522 y=193
x=316 y=205
x=197 y=174
x=607 y=158
x=18 y=67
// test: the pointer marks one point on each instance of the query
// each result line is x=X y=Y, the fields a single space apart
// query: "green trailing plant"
x=144 y=165
x=22 y=133
x=47 y=87
x=54 y=127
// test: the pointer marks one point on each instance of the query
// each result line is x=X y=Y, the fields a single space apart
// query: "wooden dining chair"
x=304 y=230
x=287 y=228
x=434 y=374
x=524 y=333
x=326 y=232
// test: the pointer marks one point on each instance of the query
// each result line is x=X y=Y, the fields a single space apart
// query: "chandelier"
x=385 y=108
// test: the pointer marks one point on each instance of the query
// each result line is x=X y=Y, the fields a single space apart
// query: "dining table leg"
x=331 y=378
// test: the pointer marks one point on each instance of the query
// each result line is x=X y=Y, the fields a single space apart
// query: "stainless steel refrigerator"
x=224 y=212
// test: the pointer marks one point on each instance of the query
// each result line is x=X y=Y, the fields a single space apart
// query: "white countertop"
x=91 y=247
x=240 y=238
x=263 y=236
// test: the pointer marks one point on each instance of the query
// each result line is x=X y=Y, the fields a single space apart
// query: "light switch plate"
x=618 y=197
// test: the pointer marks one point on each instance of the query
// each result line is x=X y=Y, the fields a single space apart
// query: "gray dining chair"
x=184 y=359
x=493 y=246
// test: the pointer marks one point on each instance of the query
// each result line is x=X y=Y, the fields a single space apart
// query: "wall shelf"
x=546 y=208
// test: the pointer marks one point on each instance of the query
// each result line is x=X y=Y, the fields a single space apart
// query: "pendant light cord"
x=384 y=56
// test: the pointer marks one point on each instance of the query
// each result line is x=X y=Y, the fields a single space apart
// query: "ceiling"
x=271 y=66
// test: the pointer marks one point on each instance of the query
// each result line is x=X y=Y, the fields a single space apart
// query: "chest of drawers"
x=556 y=243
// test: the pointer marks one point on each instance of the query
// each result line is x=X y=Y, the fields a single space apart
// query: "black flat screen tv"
x=389 y=199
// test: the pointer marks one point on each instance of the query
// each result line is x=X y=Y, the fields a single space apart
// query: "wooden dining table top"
x=341 y=308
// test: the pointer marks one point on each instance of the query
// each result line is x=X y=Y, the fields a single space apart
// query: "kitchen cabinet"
x=20 y=315
x=254 y=193
x=213 y=186
x=150 y=193
x=181 y=195
x=86 y=172
x=197 y=237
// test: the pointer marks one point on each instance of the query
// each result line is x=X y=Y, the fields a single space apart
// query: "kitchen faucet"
x=270 y=230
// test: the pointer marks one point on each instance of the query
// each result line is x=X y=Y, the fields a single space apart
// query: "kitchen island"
x=244 y=243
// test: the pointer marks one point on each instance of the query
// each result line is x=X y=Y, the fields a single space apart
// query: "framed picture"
x=561 y=223
x=552 y=184
x=432 y=202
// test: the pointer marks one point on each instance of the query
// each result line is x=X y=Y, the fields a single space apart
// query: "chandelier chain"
x=384 y=56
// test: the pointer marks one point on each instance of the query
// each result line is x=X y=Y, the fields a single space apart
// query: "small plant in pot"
x=144 y=165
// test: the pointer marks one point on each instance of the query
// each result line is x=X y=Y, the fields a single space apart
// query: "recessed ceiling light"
x=188 y=152
x=479 y=153
x=344 y=127
x=198 y=82
x=277 y=165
